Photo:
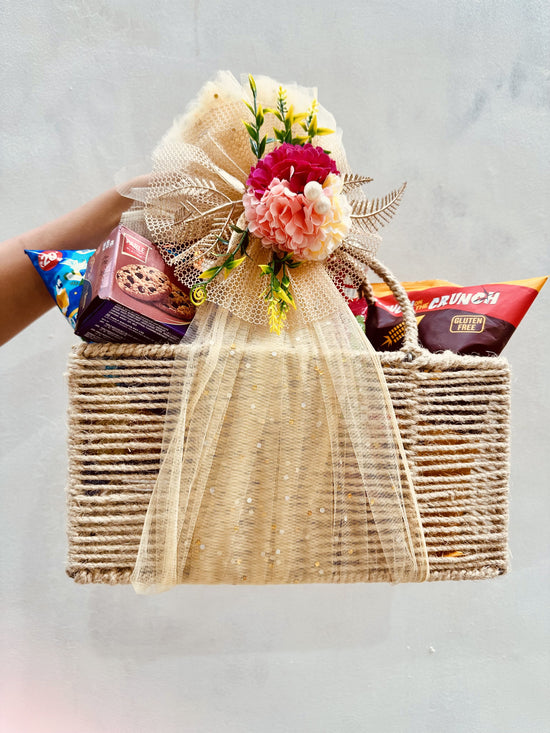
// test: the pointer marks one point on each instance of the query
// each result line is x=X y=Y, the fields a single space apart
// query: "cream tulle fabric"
x=282 y=460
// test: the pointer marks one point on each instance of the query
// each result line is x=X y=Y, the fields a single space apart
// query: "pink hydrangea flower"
x=308 y=227
x=296 y=164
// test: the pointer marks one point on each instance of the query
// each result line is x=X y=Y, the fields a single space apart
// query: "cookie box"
x=130 y=295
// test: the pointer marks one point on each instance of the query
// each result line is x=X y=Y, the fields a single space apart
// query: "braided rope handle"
x=411 y=346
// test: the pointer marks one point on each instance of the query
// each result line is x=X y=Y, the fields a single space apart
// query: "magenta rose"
x=297 y=164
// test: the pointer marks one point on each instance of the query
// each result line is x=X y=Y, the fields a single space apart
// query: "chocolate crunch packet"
x=477 y=319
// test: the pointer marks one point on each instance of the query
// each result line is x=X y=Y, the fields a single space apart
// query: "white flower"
x=322 y=205
x=313 y=190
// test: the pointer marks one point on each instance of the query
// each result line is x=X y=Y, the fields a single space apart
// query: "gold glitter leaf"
x=372 y=214
x=352 y=180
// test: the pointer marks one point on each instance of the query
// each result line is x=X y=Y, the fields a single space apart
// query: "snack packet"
x=62 y=272
x=476 y=319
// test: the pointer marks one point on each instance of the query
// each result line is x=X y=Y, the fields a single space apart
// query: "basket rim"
x=425 y=359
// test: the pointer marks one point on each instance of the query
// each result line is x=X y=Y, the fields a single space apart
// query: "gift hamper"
x=273 y=444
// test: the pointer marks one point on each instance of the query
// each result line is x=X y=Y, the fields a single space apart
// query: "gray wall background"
x=452 y=96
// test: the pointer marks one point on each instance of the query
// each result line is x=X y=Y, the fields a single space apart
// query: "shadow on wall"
x=203 y=620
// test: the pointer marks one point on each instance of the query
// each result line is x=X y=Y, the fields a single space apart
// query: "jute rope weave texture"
x=453 y=414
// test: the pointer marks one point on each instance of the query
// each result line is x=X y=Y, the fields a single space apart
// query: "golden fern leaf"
x=352 y=180
x=169 y=192
x=214 y=243
x=189 y=200
x=203 y=212
x=372 y=214
x=191 y=213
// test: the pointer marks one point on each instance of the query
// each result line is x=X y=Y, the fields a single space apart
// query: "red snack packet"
x=476 y=319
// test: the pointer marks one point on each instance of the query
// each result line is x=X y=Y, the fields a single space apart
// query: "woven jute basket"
x=453 y=413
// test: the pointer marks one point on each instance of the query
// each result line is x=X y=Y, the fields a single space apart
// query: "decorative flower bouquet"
x=294 y=202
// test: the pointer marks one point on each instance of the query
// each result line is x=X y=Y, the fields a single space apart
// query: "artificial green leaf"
x=284 y=296
x=261 y=148
x=250 y=107
x=281 y=101
x=212 y=272
x=232 y=264
x=252 y=83
x=259 y=116
x=324 y=131
x=252 y=131
x=266 y=269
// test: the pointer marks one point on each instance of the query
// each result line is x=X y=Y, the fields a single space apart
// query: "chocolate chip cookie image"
x=177 y=304
x=142 y=282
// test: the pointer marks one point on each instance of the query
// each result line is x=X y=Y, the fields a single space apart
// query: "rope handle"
x=411 y=346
